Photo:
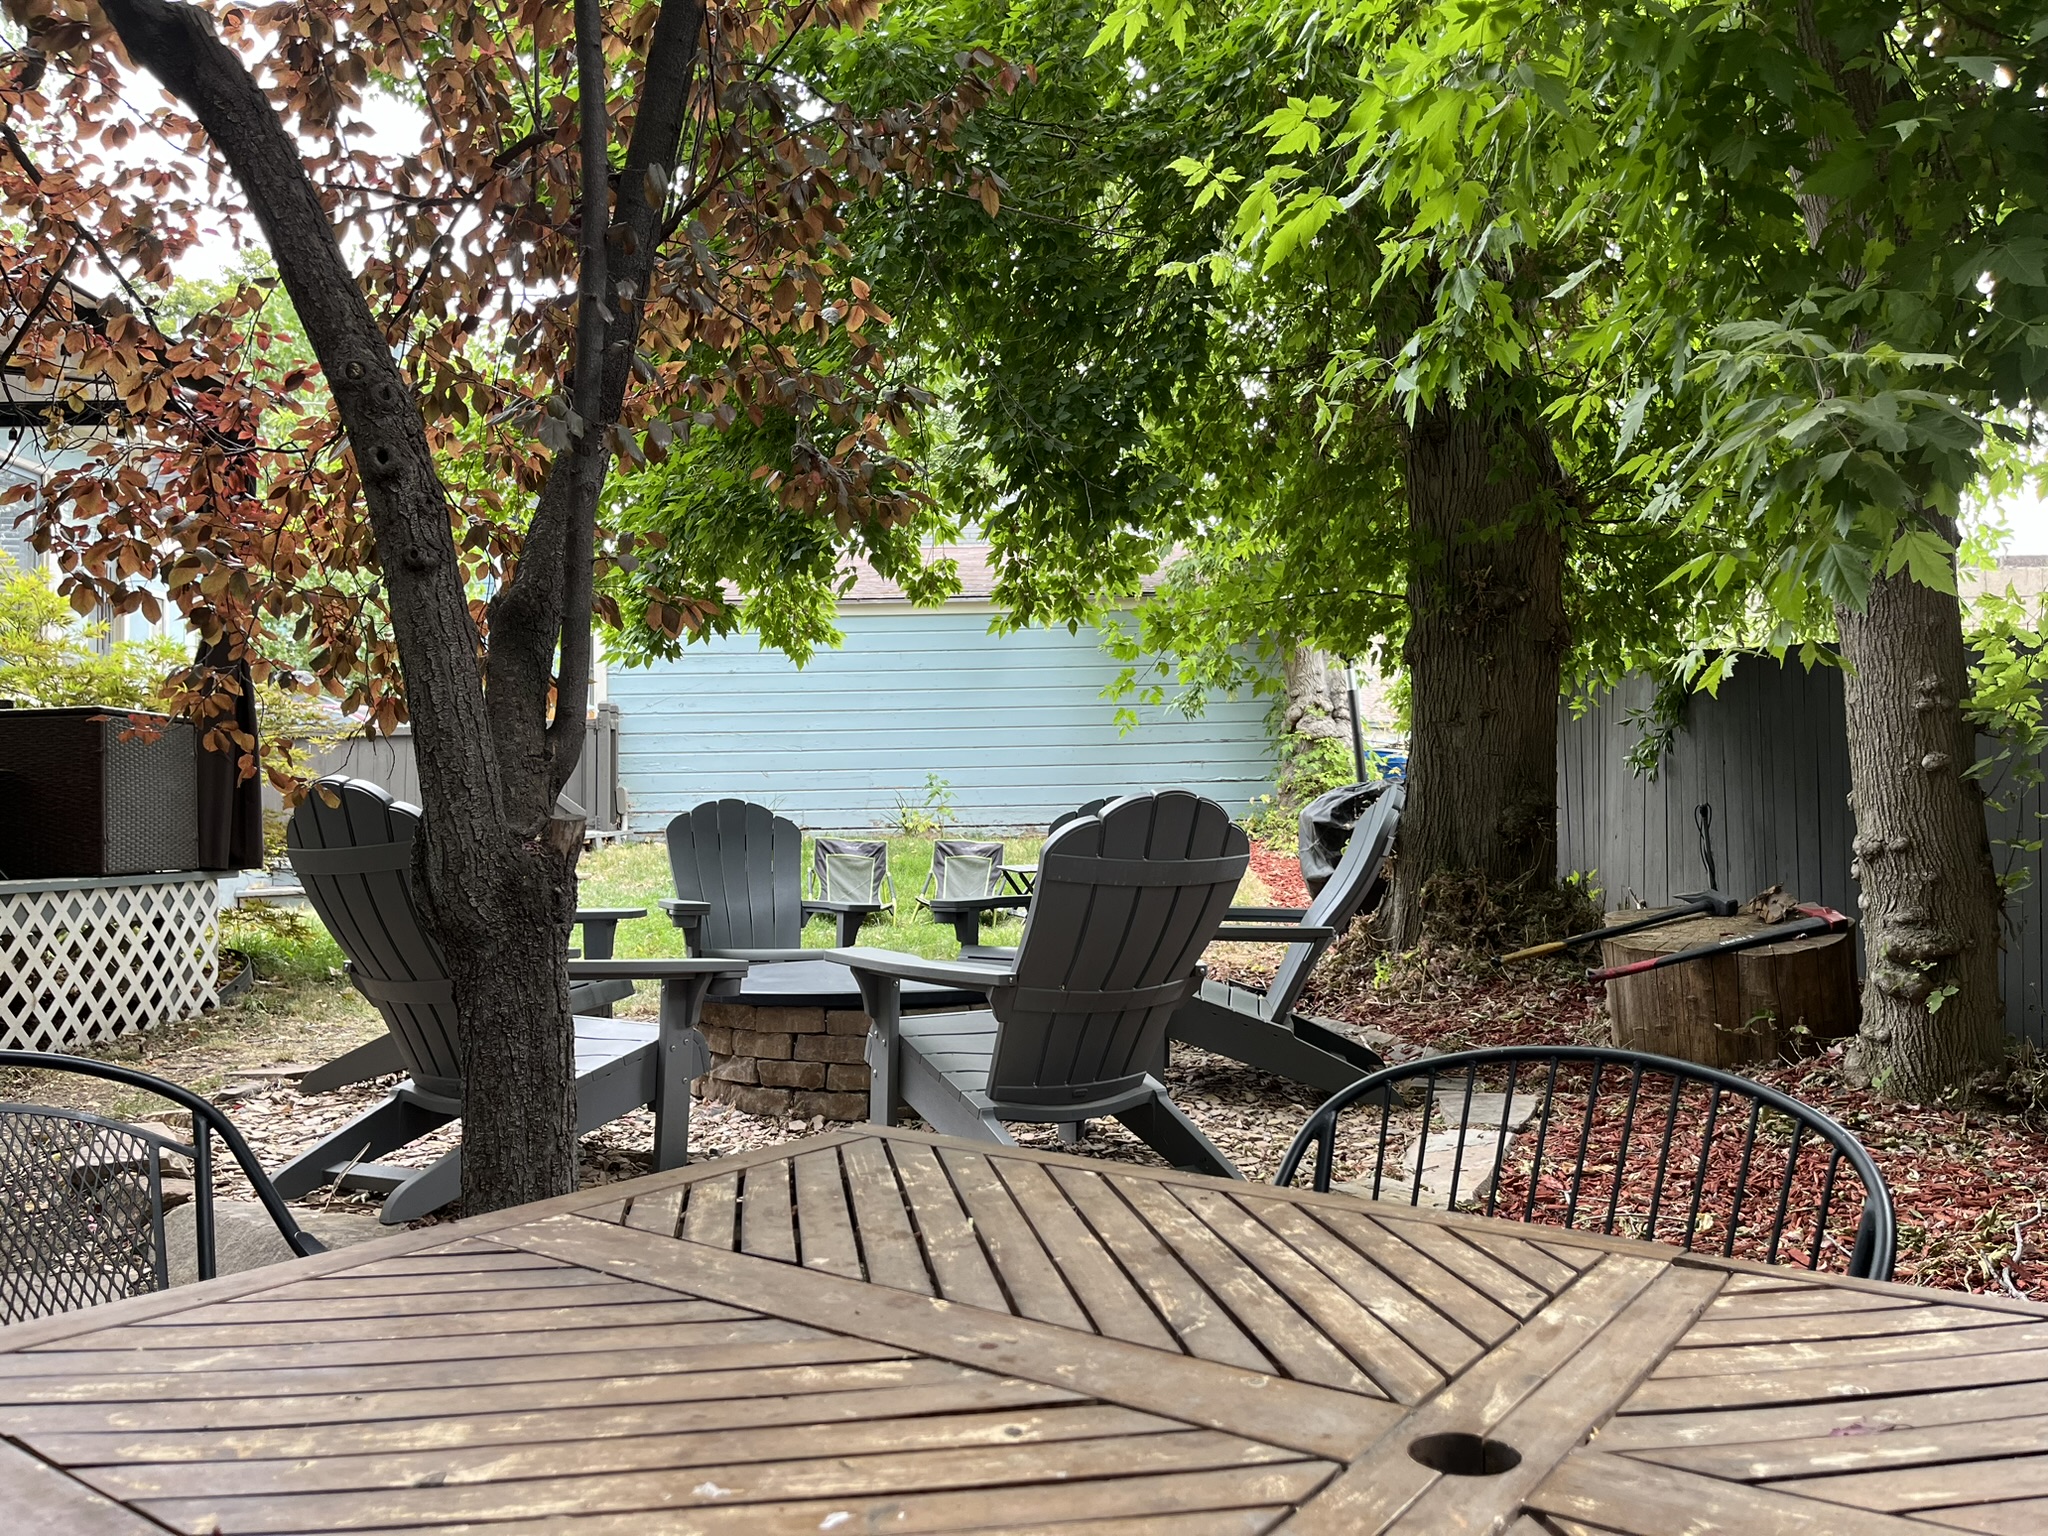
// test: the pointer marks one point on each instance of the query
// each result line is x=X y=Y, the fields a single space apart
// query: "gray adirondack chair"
x=381 y=1057
x=1127 y=900
x=355 y=859
x=737 y=868
x=1262 y=1028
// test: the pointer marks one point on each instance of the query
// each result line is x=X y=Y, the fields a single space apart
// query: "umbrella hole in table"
x=1461 y=1454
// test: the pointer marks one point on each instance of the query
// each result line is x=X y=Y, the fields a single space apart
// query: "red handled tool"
x=1692 y=904
x=1818 y=919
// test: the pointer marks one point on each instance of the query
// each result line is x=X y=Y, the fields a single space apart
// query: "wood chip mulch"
x=1970 y=1185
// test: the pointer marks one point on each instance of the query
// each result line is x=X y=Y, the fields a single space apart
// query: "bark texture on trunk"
x=1933 y=1017
x=1927 y=888
x=1485 y=638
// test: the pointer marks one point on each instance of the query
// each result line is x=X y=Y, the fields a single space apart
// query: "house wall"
x=1770 y=754
x=1016 y=724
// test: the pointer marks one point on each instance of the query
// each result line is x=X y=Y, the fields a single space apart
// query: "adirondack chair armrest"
x=902 y=967
x=977 y=903
x=770 y=955
x=814 y=908
x=687 y=914
x=1292 y=933
x=601 y=927
x=656 y=969
x=1265 y=914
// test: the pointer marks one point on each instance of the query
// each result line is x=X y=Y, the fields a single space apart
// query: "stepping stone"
x=244 y=1236
x=1490 y=1110
x=1471 y=1154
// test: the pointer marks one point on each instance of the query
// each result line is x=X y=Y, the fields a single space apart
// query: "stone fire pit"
x=789 y=1063
x=792 y=1041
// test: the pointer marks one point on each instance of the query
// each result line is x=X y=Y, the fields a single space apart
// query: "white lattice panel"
x=85 y=961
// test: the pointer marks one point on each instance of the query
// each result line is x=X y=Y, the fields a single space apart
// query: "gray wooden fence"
x=1770 y=755
x=388 y=761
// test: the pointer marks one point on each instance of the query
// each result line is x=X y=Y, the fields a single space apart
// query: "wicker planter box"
x=77 y=801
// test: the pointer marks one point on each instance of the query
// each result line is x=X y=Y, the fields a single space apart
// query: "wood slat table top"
x=892 y=1331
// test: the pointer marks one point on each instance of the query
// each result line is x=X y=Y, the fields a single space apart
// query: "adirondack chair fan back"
x=744 y=865
x=351 y=845
x=1126 y=902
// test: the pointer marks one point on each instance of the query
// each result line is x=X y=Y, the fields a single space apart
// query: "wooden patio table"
x=890 y=1331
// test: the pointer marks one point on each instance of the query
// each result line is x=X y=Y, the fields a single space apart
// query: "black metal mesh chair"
x=82 y=1197
x=1609 y=1140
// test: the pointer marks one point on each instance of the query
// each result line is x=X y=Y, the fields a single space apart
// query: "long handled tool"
x=1692 y=904
x=1817 y=920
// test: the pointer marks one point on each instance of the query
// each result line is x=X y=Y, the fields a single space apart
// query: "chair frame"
x=965 y=913
x=1262 y=1028
x=1116 y=1022
x=208 y=1121
x=847 y=916
x=1876 y=1231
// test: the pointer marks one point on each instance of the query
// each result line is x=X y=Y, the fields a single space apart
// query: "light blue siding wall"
x=1016 y=724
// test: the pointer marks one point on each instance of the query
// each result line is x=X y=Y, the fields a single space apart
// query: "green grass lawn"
x=637 y=875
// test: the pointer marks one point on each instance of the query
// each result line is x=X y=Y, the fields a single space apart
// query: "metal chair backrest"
x=849 y=869
x=82 y=1196
x=1626 y=1143
x=964 y=871
x=1126 y=901
x=1356 y=885
x=351 y=845
x=748 y=863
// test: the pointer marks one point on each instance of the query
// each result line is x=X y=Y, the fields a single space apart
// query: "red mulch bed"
x=1280 y=873
x=1969 y=1186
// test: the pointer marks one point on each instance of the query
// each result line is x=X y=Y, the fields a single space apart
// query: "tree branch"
x=548 y=599
x=408 y=507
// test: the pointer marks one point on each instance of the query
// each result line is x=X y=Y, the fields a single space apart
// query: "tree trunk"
x=1486 y=631
x=496 y=867
x=1929 y=894
x=1318 y=709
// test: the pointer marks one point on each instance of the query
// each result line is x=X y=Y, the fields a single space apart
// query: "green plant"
x=1270 y=822
x=1315 y=765
x=49 y=657
x=929 y=814
x=284 y=943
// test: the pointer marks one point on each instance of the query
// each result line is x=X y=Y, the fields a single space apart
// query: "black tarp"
x=1326 y=825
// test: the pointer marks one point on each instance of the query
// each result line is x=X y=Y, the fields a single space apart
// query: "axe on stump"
x=1691 y=904
x=1817 y=919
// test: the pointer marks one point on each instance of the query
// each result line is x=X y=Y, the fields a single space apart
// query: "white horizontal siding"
x=1016 y=724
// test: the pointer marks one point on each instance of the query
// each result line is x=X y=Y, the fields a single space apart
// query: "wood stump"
x=1754 y=1006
